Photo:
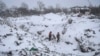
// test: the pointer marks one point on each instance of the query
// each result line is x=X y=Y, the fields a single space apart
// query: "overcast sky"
x=62 y=3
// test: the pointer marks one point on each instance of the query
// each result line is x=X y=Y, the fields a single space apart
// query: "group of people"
x=53 y=36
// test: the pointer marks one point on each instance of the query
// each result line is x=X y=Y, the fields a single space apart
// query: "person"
x=58 y=36
x=50 y=35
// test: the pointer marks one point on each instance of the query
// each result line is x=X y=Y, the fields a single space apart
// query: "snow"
x=27 y=29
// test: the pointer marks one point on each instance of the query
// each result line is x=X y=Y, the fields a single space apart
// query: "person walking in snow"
x=58 y=36
x=50 y=35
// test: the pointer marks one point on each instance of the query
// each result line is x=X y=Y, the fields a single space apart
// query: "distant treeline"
x=23 y=10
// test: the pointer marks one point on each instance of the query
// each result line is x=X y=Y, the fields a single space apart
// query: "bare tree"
x=58 y=8
x=41 y=5
x=23 y=10
x=2 y=6
x=2 y=9
x=14 y=10
x=24 y=5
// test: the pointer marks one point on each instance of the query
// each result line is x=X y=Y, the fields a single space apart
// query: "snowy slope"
x=32 y=31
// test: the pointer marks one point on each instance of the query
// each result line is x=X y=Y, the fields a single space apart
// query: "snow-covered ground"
x=19 y=35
